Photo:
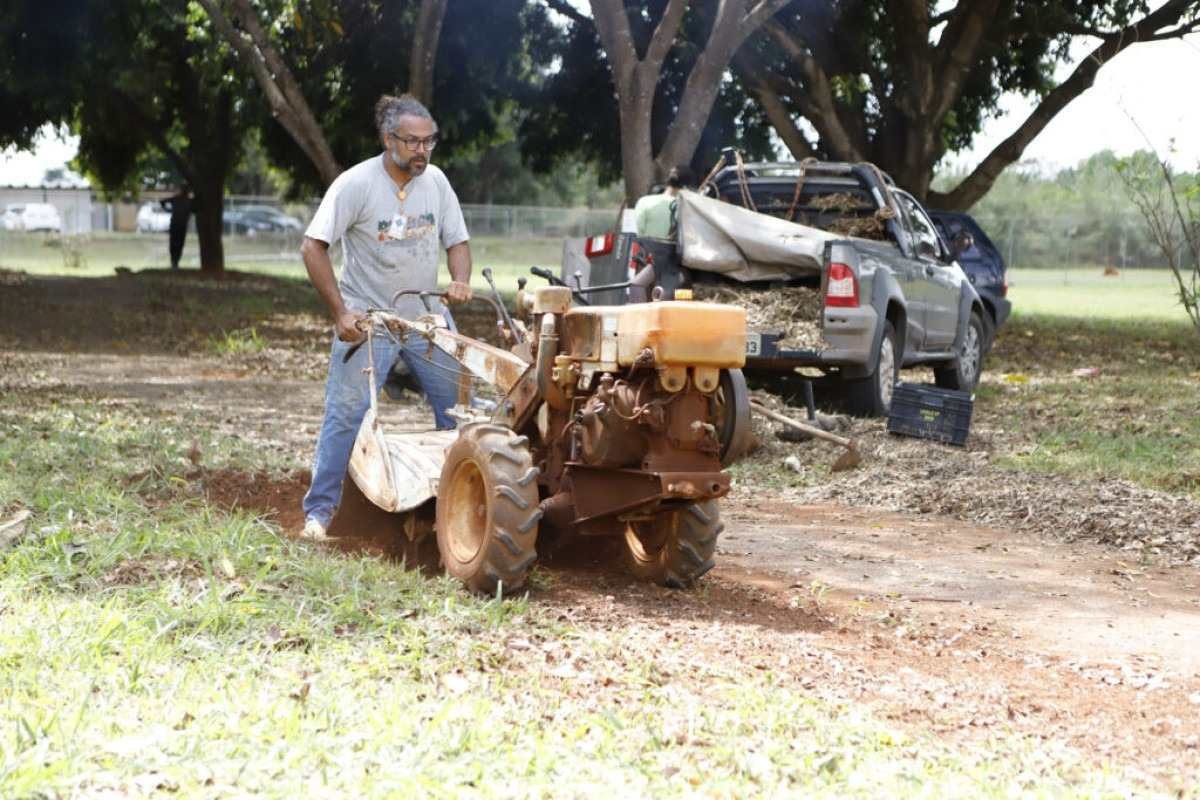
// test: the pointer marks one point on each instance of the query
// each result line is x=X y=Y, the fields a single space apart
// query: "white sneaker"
x=314 y=530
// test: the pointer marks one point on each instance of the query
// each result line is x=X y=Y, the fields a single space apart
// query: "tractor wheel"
x=674 y=549
x=487 y=509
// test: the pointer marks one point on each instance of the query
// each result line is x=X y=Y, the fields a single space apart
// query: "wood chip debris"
x=792 y=311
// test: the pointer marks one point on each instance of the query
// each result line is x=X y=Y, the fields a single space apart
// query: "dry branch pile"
x=793 y=311
x=855 y=218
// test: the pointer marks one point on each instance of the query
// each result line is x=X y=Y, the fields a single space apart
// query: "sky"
x=1152 y=83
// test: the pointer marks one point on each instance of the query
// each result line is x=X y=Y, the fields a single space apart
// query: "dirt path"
x=947 y=627
x=1077 y=602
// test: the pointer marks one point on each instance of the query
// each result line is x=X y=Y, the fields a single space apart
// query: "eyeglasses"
x=414 y=144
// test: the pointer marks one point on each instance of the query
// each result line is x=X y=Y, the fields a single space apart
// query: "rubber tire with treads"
x=872 y=396
x=963 y=373
x=674 y=549
x=487 y=509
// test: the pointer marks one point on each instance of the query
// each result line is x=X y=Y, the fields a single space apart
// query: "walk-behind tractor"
x=609 y=421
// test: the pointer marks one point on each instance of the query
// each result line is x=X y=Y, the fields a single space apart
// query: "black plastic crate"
x=927 y=412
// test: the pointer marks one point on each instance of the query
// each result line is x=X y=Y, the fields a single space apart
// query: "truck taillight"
x=842 y=289
x=1004 y=287
x=600 y=245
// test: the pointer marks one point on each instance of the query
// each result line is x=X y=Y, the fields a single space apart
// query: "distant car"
x=251 y=220
x=32 y=217
x=153 y=218
x=981 y=260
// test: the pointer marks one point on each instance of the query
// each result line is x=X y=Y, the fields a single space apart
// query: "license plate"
x=754 y=344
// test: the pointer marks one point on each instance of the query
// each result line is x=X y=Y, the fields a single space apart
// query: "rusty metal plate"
x=398 y=471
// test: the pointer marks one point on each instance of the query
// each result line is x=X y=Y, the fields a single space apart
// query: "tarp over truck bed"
x=715 y=236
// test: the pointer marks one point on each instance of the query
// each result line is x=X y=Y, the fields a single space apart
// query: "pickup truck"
x=849 y=262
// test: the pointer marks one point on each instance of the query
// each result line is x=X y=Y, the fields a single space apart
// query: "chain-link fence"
x=264 y=231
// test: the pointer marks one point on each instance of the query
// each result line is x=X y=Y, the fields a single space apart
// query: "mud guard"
x=397 y=472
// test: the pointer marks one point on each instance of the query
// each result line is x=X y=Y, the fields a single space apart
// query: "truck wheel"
x=487 y=509
x=674 y=549
x=872 y=396
x=963 y=372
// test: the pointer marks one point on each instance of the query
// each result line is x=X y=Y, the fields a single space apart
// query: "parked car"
x=254 y=219
x=843 y=273
x=980 y=258
x=153 y=218
x=32 y=217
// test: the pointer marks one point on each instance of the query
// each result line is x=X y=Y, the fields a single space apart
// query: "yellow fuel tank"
x=678 y=333
x=683 y=334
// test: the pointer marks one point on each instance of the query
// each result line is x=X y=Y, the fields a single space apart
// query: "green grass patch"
x=1089 y=294
x=150 y=643
x=1108 y=398
x=276 y=255
x=244 y=341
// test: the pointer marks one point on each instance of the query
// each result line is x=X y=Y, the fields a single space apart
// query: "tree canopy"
x=140 y=82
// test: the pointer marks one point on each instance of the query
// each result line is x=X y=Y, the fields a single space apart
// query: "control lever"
x=516 y=334
x=554 y=280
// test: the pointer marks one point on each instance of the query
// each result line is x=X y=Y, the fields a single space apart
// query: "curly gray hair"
x=389 y=109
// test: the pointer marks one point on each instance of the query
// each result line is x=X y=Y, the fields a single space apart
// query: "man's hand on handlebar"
x=348 y=326
x=458 y=292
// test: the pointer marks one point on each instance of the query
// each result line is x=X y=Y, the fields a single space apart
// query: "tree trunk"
x=636 y=80
x=209 y=206
x=424 y=49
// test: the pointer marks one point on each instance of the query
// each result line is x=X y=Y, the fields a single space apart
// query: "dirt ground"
x=945 y=625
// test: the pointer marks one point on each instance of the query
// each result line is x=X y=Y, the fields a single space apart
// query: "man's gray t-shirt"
x=388 y=244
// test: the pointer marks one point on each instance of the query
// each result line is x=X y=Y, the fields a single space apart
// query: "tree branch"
x=959 y=47
x=423 y=57
x=273 y=76
x=976 y=184
x=612 y=26
x=665 y=32
x=729 y=31
x=821 y=105
x=773 y=105
x=568 y=11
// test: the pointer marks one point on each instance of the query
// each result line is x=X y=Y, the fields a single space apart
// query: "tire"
x=963 y=373
x=872 y=396
x=487 y=509
x=674 y=549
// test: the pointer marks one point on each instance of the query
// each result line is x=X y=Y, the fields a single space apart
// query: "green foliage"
x=345 y=54
x=244 y=341
x=1081 y=215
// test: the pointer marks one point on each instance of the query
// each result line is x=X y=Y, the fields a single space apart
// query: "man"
x=180 y=206
x=391 y=213
x=654 y=214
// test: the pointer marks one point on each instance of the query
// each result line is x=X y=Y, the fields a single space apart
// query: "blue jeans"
x=347 y=399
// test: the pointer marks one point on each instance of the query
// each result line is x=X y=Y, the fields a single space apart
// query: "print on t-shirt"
x=402 y=227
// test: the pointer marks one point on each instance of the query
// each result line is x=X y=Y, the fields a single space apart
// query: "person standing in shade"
x=180 y=206
x=393 y=214
x=654 y=214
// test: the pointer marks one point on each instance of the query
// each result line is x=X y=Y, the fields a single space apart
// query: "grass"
x=1137 y=419
x=150 y=643
x=244 y=341
x=1088 y=294
x=98 y=254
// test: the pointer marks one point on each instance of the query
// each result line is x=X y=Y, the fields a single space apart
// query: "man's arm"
x=320 y=271
x=458 y=259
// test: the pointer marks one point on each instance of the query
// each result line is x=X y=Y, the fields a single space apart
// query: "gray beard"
x=404 y=165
